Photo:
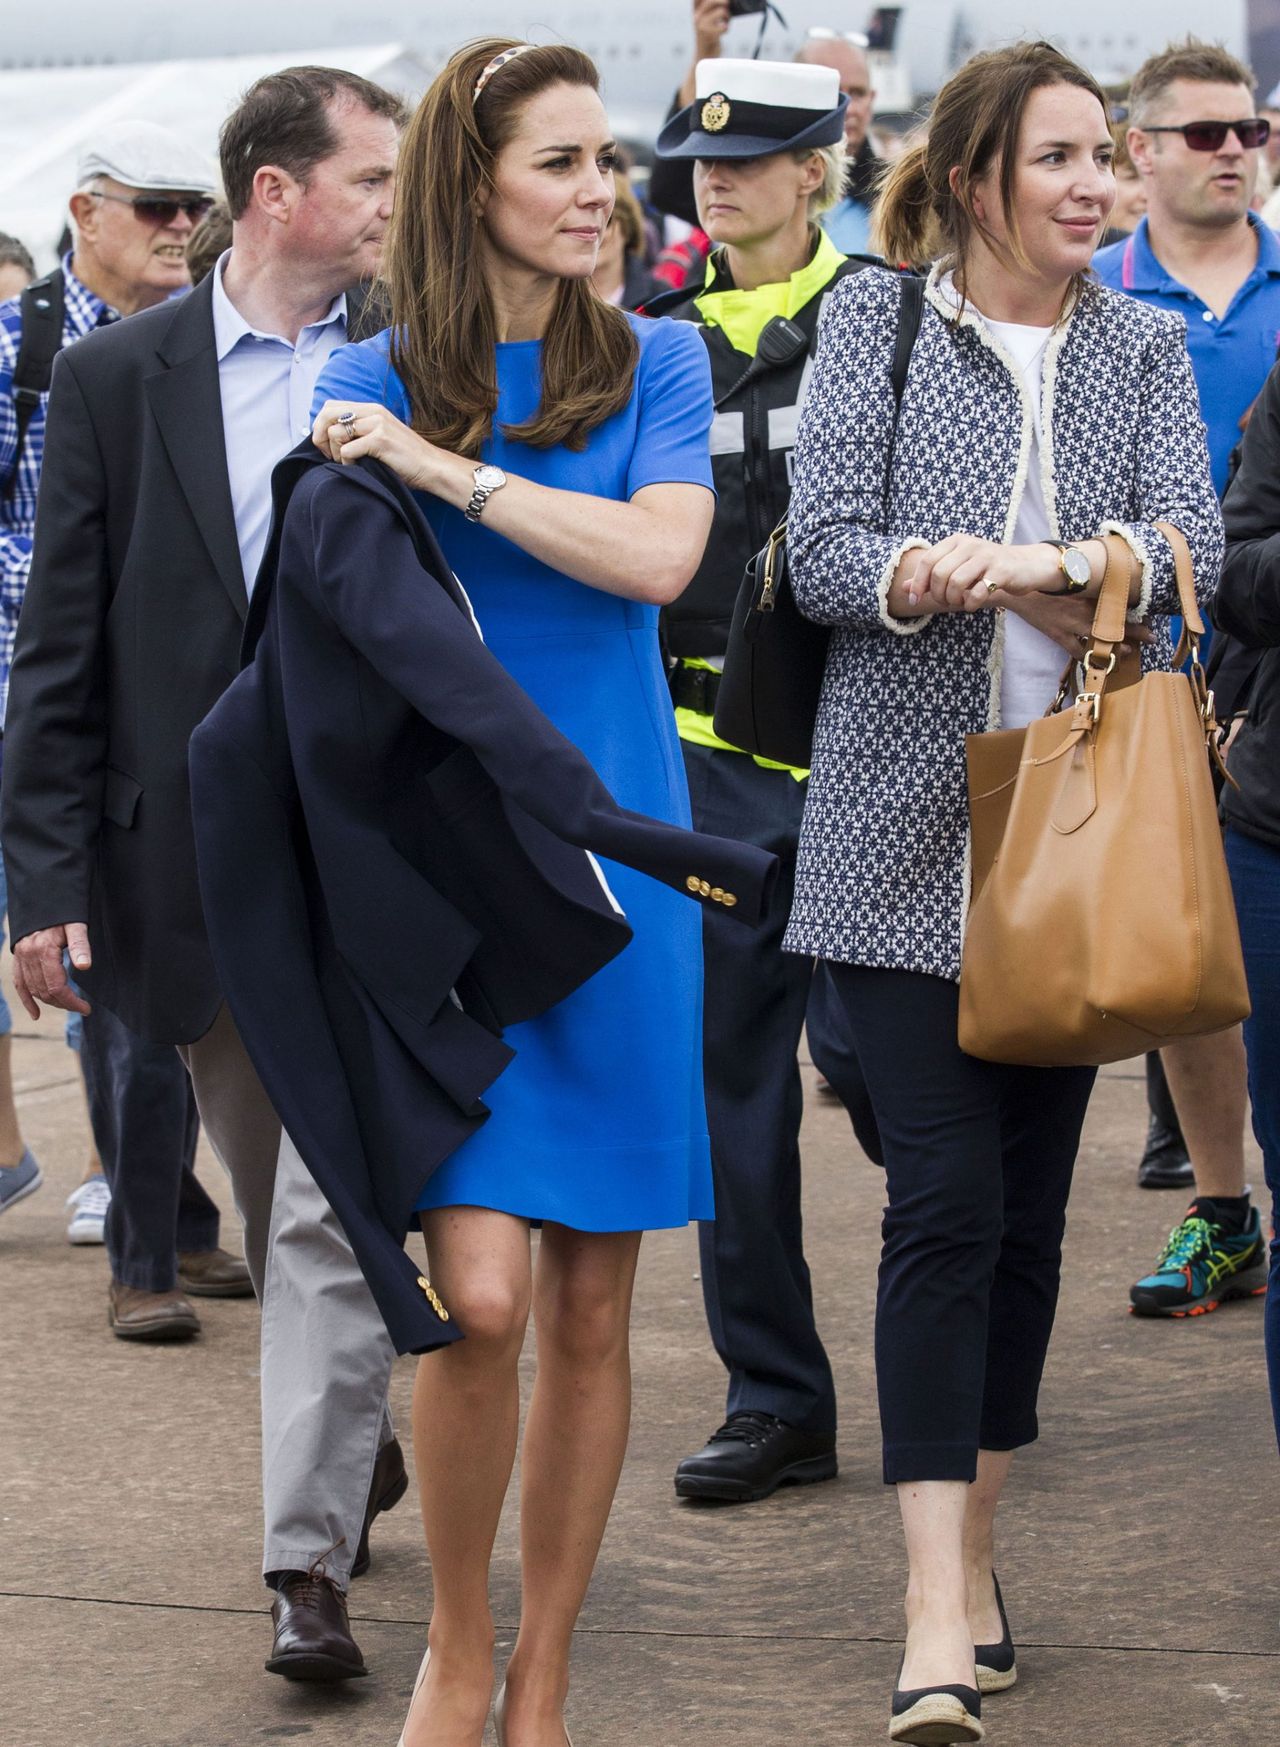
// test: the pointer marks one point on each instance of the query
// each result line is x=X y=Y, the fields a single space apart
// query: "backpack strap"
x=41 y=305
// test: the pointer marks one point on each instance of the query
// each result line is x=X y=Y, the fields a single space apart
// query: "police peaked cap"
x=751 y=109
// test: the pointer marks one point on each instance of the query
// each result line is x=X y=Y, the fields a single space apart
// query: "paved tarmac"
x=1141 y=1546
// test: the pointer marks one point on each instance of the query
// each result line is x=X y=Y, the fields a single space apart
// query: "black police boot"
x=751 y=1456
x=1165 y=1163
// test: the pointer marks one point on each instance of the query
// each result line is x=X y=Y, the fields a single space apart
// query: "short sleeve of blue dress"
x=599 y=1121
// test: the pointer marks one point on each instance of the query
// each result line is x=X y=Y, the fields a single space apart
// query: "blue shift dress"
x=599 y=1122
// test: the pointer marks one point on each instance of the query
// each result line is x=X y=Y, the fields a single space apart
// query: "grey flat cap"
x=141 y=154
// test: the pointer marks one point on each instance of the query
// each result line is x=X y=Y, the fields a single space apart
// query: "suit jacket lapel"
x=187 y=404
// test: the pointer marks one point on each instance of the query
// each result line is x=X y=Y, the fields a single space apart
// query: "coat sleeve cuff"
x=902 y=627
x=1145 y=572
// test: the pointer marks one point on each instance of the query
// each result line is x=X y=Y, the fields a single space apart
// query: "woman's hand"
x=964 y=574
x=1067 y=620
x=346 y=430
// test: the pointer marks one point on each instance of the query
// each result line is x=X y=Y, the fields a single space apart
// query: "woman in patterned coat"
x=1041 y=411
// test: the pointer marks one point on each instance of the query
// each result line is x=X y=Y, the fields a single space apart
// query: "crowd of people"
x=474 y=937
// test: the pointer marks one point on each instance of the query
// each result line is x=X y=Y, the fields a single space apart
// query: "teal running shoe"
x=1201 y=1267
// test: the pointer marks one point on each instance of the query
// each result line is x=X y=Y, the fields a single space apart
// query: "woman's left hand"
x=345 y=430
x=963 y=574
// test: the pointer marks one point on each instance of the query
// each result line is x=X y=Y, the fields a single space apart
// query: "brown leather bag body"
x=1101 y=922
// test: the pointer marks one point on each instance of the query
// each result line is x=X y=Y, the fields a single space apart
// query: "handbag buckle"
x=1088 y=711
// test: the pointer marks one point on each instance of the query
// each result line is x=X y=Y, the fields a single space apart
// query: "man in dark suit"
x=153 y=515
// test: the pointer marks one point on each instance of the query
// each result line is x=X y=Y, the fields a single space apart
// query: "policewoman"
x=767 y=140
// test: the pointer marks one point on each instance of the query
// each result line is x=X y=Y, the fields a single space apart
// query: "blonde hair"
x=627 y=213
x=835 y=172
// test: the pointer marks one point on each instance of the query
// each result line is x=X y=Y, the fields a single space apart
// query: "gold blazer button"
x=729 y=899
x=693 y=883
x=704 y=886
x=433 y=1298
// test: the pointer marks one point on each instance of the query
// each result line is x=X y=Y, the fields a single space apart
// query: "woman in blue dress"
x=563 y=447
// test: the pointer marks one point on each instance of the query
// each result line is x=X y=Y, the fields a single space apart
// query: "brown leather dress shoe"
x=214 y=1274
x=313 y=1636
x=150 y=1316
x=389 y=1485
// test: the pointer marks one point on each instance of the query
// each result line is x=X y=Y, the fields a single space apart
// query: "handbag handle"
x=1192 y=619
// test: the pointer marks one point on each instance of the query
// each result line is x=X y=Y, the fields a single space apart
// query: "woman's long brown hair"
x=976 y=122
x=443 y=328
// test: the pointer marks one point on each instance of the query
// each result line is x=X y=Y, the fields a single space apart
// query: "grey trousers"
x=326 y=1354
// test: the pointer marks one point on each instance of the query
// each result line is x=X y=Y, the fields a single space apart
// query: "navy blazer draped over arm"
x=397 y=858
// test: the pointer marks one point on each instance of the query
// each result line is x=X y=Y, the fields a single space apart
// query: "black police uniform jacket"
x=753 y=438
x=392 y=843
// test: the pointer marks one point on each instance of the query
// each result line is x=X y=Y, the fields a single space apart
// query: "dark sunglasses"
x=161 y=209
x=1209 y=136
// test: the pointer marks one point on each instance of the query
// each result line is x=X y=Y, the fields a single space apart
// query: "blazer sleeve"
x=1174 y=479
x=1248 y=601
x=416 y=638
x=55 y=735
x=842 y=560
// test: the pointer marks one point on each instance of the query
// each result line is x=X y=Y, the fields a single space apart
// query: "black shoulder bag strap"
x=41 y=305
x=910 y=310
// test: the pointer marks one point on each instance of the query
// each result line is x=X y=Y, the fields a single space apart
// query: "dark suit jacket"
x=130 y=629
x=392 y=842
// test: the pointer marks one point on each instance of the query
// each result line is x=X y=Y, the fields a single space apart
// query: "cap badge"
x=715 y=113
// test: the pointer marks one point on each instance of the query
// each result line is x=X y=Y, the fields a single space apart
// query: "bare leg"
x=11 y=1142
x=939 y=1643
x=574 y=1446
x=466 y=1413
x=979 y=1544
x=1207 y=1079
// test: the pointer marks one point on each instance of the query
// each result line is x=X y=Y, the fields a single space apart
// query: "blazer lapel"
x=187 y=404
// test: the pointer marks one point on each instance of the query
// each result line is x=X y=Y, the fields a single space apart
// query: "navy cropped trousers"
x=978 y=1160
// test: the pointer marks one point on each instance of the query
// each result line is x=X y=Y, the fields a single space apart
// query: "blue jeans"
x=1255 y=879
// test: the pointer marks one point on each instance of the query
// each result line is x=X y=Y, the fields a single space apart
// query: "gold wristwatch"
x=1075 y=567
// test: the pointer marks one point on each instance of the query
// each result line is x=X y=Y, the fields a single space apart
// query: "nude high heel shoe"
x=422 y=1672
x=500 y=1719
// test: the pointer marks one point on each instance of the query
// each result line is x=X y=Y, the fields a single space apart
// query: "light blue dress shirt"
x=266 y=383
x=848 y=224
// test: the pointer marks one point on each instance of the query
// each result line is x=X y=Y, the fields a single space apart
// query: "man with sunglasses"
x=140 y=190
x=1196 y=141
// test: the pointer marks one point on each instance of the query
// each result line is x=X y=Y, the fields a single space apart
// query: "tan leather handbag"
x=1101 y=922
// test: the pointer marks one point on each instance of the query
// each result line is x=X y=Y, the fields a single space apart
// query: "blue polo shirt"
x=1232 y=357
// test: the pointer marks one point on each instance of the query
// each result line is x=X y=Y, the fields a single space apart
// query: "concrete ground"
x=1140 y=1559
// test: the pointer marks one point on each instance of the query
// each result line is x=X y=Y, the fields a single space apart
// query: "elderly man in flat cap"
x=139 y=192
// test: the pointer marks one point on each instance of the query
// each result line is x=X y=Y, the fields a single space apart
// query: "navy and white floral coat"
x=883 y=874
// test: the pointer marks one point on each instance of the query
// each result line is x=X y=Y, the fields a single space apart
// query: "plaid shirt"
x=82 y=313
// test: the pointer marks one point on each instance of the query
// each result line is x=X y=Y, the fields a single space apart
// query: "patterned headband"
x=498 y=62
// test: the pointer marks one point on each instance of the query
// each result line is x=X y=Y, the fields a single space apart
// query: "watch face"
x=1076 y=566
x=490 y=478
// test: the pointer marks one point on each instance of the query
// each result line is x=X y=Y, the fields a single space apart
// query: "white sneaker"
x=90 y=1203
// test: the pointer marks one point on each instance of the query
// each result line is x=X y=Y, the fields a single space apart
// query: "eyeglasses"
x=1209 y=136
x=159 y=208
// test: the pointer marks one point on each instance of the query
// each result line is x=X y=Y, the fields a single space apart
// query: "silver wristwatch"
x=487 y=481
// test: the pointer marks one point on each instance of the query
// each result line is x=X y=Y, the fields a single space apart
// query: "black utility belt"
x=694 y=688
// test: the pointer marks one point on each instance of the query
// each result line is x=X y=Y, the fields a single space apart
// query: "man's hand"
x=710 y=21
x=38 y=972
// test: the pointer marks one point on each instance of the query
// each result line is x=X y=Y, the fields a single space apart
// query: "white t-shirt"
x=1033 y=663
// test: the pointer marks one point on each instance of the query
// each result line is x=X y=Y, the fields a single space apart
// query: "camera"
x=741 y=8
